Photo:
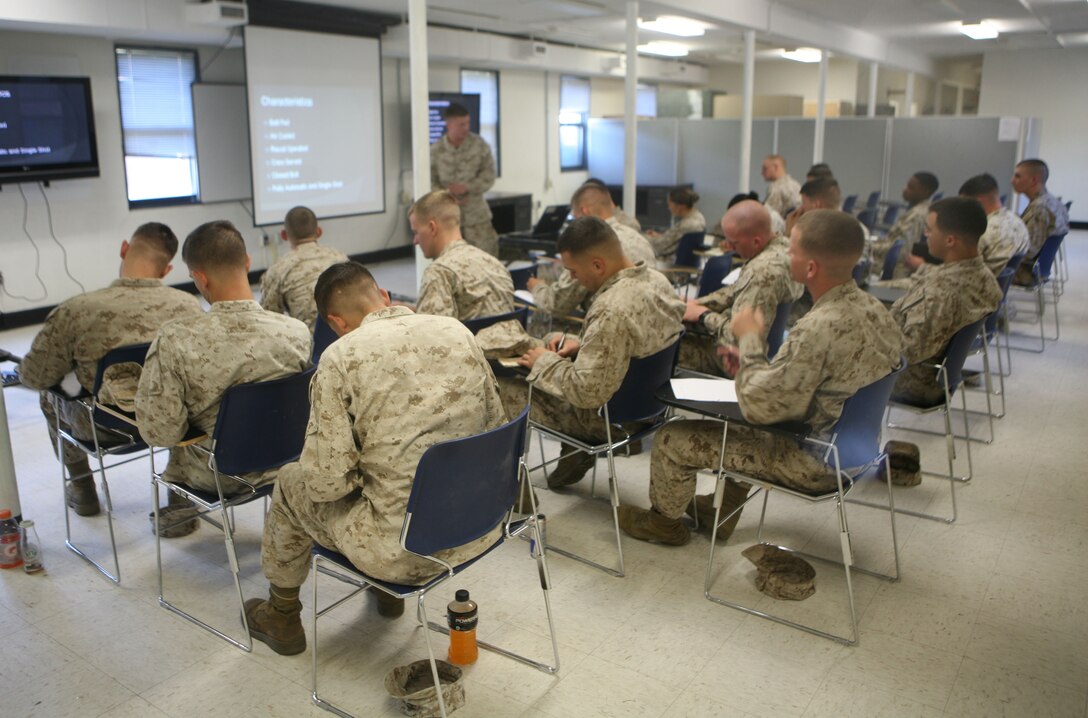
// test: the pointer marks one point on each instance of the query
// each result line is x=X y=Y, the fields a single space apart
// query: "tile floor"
x=988 y=620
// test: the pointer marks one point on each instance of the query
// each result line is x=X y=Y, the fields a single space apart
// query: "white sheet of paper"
x=720 y=390
x=519 y=264
x=524 y=295
x=732 y=277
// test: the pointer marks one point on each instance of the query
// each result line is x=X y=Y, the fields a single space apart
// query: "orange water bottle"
x=9 y=541
x=461 y=615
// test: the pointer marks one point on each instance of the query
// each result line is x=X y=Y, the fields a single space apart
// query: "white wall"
x=1047 y=84
x=91 y=216
x=785 y=77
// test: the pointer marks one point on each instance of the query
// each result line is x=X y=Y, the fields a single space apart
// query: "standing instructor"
x=461 y=162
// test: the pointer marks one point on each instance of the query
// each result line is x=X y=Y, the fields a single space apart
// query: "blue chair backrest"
x=130 y=354
x=857 y=432
x=634 y=400
x=1015 y=261
x=861 y=272
x=849 y=202
x=937 y=197
x=1004 y=280
x=685 y=249
x=262 y=425
x=890 y=259
x=323 y=337
x=891 y=214
x=778 y=329
x=1069 y=205
x=464 y=488
x=868 y=217
x=521 y=314
x=1045 y=261
x=873 y=201
x=521 y=276
x=958 y=349
x=716 y=269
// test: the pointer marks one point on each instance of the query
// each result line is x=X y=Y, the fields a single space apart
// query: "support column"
x=908 y=97
x=420 y=122
x=630 y=121
x=9 y=489
x=874 y=69
x=821 y=110
x=746 y=116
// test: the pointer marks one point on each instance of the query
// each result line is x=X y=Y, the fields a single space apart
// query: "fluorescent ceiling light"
x=802 y=54
x=675 y=25
x=665 y=49
x=979 y=31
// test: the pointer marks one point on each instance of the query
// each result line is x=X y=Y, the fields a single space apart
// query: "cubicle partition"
x=865 y=154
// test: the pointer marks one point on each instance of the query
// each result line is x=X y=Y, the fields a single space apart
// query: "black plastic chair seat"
x=212 y=498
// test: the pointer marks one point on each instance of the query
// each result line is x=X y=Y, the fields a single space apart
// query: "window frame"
x=497 y=149
x=155 y=201
x=583 y=125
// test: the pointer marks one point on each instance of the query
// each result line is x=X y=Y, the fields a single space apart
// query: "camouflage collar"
x=842 y=291
x=135 y=282
x=638 y=270
x=237 y=305
x=386 y=313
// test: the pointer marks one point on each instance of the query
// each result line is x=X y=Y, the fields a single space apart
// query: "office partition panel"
x=854 y=147
x=709 y=159
x=796 y=141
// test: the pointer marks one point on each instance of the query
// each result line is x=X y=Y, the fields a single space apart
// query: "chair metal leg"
x=430 y=655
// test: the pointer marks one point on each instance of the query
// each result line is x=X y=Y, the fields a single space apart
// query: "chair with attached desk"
x=463 y=489
x=634 y=402
x=521 y=315
x=687 y=266
x=521 y=275
x=887 y=271
x=113 y=433
x=777 y=333
x=260 y=426
x=715 y=270
x=852 y=451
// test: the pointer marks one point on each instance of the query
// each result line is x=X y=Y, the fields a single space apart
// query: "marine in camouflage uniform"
x=1006 y=235
x=783 y=194
x=627 y=220
x=909 y=227
x=194 y=360
x=288 y=285
x=764 y=282
x=464 y=282
x=369 y=426
x=665 y=244
x=1044 y=216
x=472 y=165
x=947 y=298
x=634 y=314
x=82 y=330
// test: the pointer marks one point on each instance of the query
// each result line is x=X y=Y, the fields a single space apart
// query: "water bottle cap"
x=27 y=524
x=5 y=514
x=461 y=595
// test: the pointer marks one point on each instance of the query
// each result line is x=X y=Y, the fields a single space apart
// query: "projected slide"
x=315 y=129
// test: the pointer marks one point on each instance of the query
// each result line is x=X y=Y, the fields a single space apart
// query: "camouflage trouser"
x=683 y=447
x=551 y=411
x=698 y=352
x=292 y=525
x=482 y=235
x=919 y=385
x=74 y=418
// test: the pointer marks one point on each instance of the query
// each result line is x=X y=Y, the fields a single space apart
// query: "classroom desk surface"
x=726 y=411
x=888 y=295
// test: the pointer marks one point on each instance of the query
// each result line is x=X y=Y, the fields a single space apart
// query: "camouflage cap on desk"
x=782 y=574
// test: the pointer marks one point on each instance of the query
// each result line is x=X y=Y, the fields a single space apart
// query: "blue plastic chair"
x=937 y=197
x=260 y=426
x=991 y=335
x=861 y=272
x=848 y=203
x=521 y=276
x=323 y=337
x=873 y=200
x=777 y=333
x=521 y=314
x=716 y=269
x=463 y=489
x=1041 y=272
x=867 y=217
x=685 y=250
x=949 y=377
x=634 y=401
x=891 y=214
x=887 y=271
x=111 y=436
x=852 y=450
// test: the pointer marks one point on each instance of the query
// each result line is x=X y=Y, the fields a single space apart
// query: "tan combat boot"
x=649 y=525
x=278 y=621
x=703 y=507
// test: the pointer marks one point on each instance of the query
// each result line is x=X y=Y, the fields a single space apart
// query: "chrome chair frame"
x=1044 y=273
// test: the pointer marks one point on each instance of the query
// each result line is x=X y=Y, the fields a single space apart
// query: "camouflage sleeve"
x=271 y=296
x=51 y=356
x=436 y=180
x=770 y=392
x=597 y=370
x=915 y=316
x=330 y=456
x=719 y=300
x=161 y=413
x=1037 y=220
x=485 y=173
x=436 y=293
x=563 y=296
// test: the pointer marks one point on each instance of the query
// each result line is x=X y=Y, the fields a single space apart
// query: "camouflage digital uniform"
x=472 y=165
x=566 y=295
x=666 y=243
x=82 y=330
x=947 y=298
x=634 y=314
x=194 y=360
x=1044 y=216
x=626 y=220
x=465 y=282
x=288 y=285
x=764 y=282
x=1005 y=235
x=381 y=396
x=783 y=195
x=910 y=227
x=847 y=341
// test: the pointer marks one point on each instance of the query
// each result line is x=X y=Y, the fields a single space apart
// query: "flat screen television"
x=46 y=129
x=439 y=101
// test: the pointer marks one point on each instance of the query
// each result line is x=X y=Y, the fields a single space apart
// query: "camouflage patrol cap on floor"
x=782 y=575
x=413 y=685
x=905 y=461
